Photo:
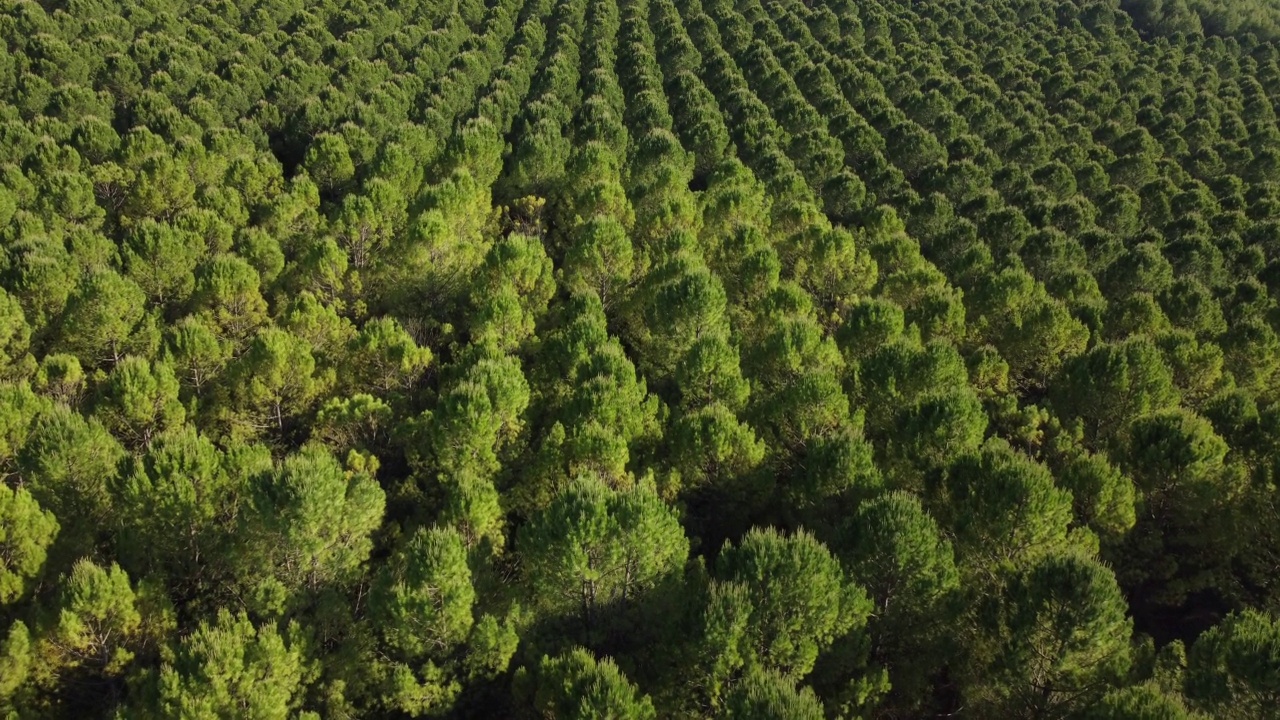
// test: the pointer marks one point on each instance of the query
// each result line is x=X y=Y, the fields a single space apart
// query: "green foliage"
x=424 y=358
x=308 y=526
x=383 y=358
x=329 y=163
x=780 y=601
x=103 y=319
x=177 y=510
x=896 y=550
x=422 y=603
x=231 y=667
x=763 y=695
x=276 y=379
x=1112 y=385
x=594 y=548
x=162 y=261
x=576 y=686
x=138 y=401
x=1210 y=16
x=1139 y=702
x=68 y=464
x=15 y=661
x=228 y=297
x=423 y=599
x=15 y=337
x=1233 y=670
x=100 y=625
x=1061 y=639
x=1104 y=498
x=1001 y=506
x=25 y=534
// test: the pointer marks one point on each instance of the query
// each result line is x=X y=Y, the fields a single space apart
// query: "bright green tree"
x=576 y=686
x=767 y=695
x=274 y=381
x=308 y=526
x=138 y=400
x=15 y=338
x=1002 y=508
x=100 y=625
x=594 y=548
x=898 y=553
x=231 y=668
x=103 y=319
x=383 y=358
x=1061 y=640
x=177 y=511
x=784 y=599
x=68 y=465
x=26 y=531
x=422 y=598
x=162 y=261
x=422 y=603
x=1233 y=670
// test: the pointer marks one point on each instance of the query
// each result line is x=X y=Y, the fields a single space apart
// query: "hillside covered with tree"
x=637 y=359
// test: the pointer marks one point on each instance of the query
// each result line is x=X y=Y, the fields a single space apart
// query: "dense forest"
x=1215 y=17
x=635 y=359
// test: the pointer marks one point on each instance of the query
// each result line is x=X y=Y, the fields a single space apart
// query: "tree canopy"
x=639 y=359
